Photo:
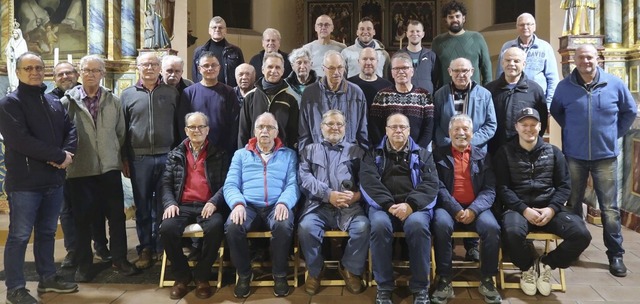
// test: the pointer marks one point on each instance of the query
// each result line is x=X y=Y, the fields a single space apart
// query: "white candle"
x=56 y=56
x=70 y=58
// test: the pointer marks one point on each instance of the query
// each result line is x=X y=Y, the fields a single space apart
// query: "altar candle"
x=70 y=58
x=56 y=55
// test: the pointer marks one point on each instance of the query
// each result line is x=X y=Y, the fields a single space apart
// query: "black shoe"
x=56 y=284
x=421 y=297
x=20 y=296
x=383 y=297
x=281 y=287
x=473 y=254
x=69 y=260
x=125 y=268
x=617 y=268
x=243 y=287
x=104 y=254
x=83 y=274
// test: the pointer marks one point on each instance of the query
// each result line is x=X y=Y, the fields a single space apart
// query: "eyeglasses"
x=323 y=24
x=526 y=24
x=210 y=66
x=333 y=69
x=268 y=127
x=194 y=128
x=404 y=69
x=91 y=71
x=66 y=73
x=398 y=127
x=334 y=125
x=37 y=68
x=218 y=27
x=149 y=65
x=461 y=71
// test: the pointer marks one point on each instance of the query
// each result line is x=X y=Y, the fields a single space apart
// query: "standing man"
x=595 y=109
x=302 y=74
x=541 y=64
x=149 y=113
x=94 y=183
x=368 y=80
x=66 y=77
x=423 y=59
x=271 y=94
x=533 y=184
x=333 y=92
x=511 y=92
x=405 y=98
x=246 y=78
x=318 y=48
x=400 y=184
x=270 y=44
x=351 y=54
x=228 y=55
x=467 y=192
x=40 y=137
x=458 y=42
x=172 y=69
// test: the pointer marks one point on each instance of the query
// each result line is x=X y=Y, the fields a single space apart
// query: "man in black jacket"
x=533 y=184
x=229 y=55
x=192 y=193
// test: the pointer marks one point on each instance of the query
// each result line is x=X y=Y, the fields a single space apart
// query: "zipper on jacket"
x=264 y=178
x=151 y=131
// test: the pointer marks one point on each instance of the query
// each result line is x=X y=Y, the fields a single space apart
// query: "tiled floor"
x=588 y=282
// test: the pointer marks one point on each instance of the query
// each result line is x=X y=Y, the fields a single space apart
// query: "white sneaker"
x=544 y=280
x=528 y=280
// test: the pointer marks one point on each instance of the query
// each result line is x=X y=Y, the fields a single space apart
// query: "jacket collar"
x=252 y=145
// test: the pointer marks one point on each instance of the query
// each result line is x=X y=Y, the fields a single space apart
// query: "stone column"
x=128 y=28
x=97 y=27
x=612 y=23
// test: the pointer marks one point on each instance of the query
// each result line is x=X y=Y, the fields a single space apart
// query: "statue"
x=155 y=35
x=15 y=47
x=579 y=17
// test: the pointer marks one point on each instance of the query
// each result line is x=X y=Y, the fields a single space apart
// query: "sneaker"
x=444 y=291
x=56 y=284
x=243 y=287
x=383 y=297
x=20 y=296
x=473 y=254
x=280 y=287
x=104 y=254
x=544 y=279
x=528 y=281
x=145 y=260
x=488 y=289
x=421 y=297
x=69 y=260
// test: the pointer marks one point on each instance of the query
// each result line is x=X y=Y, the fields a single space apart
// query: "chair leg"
x=163 y=268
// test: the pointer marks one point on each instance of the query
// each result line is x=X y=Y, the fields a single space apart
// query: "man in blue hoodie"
x=595 y=109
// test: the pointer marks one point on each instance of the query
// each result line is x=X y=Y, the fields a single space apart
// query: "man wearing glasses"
x=400 y=183
x=149 y=113
x=333 y=92
x=412 y=101
x=40 y=143
x=94 y=185
x=261 y=190
x=229 y=55
x=216 y=100
x=318 y=48
x=192 y=192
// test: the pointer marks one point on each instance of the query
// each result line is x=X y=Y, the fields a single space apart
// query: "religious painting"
x=401 y=12
x=372 y=9
x=341 y=12
x=50 y=24
x=635 y=168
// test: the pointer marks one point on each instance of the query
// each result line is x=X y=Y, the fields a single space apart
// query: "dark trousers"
x=171 y=230
x=90 y=197
x=98 y=231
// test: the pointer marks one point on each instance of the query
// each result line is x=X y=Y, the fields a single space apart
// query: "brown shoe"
x=145 y=260
x=312 y=285
x=203 y=290
x=352 y=282
x=179 y=290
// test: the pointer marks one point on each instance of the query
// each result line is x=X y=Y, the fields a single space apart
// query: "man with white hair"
x=270 y=43
x=302 y=74
x=172 y=69
x=246 y=79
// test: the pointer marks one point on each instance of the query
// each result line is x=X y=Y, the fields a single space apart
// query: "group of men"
x=325 y=131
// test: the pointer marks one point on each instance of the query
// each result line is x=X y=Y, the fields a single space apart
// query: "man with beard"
x=423 y=59
x=246 y=78
x=270 y=44
x=351 y=54
x=458 y=42
x=367 y=80
x=324 y=43
x=65 y=76
x=302 y=74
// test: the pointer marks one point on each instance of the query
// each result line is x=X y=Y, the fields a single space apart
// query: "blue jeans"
x=311 y=232
x=146 y=171
x=605 y=182
x=260 y=219
x=418 y=237
x=485 y=225
x=567 y=225
x=37 y=211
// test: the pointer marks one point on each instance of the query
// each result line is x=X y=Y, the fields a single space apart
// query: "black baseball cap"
x=528 y=112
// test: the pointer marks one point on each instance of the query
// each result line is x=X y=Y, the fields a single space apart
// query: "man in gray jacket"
x=149 y=113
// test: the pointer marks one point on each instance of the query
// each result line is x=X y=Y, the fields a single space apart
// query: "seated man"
x=467 y=192
x=262 y=186
x=329 y=179
x=191 y=193
x=533 y=184
x=400 y=184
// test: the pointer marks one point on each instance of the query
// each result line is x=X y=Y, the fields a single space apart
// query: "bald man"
x=324 y=43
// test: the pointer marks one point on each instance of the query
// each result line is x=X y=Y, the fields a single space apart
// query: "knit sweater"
x=470 y=45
